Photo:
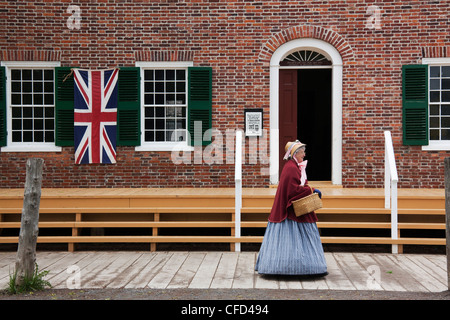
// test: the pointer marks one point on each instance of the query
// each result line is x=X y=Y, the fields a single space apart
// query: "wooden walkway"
x=203 y=270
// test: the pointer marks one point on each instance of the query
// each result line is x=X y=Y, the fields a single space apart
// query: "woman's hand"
x=318 y=191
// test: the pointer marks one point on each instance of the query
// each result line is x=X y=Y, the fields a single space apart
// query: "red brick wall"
x=237 y=39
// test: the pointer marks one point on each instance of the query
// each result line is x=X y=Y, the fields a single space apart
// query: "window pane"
x=48 y=99
x=27 y=124
x=149 y=136
x=38 y=99
x=148 y=75
x=149 y=99
x=48 y=74
x=445 y=109
x=445 y=96
x=445 y=83
x=38 y=86
x=149 y=87
x=159 y=123
x=160 y=136
x=170 y=112
x=446 y=71
x=38 y=124
x=17 y=112
x=26 y=74
x=17 y=136
x=445 y=134
x=27 y=86
x=17 y=124
x=16 y=87
x=159 y=74
x=48 y=86
x=435 y=96
x=16 y=99
x=149 y=123
x=435 y=84
x=50 y=136
x=181 y=74
x=170 y=86
x=16 y=74
x=445 y=122
x=149 y=112
x=27 y=99
x=435 y=72
x=38 y=136
x=37 y=75
x=434 y=122
x=49 y=124
x=170 y=99
x=39 y=113
x=49 y=112
x=181 y=99
x=170 y=74
x=27 y=136
x=27 y=112
x=181 y=87
x=434 y=110
x=159 y=87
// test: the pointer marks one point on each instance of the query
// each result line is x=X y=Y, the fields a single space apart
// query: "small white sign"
x=253 y=122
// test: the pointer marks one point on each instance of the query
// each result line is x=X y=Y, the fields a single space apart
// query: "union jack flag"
x=95 y=115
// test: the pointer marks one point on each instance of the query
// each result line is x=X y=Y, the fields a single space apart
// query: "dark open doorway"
x=314 y=121
x=305 y=113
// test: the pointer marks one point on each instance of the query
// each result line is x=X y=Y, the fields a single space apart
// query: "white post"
x=238 y=189
x=391 y=179
x=394 y=216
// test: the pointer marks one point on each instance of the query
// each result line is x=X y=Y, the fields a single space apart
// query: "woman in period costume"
x=291 y=244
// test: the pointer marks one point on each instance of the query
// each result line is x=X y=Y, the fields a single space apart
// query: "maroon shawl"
x=289 y=190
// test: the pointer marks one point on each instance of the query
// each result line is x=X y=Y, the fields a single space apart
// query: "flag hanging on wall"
x=95 y=115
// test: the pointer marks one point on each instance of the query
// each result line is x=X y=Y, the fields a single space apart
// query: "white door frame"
x=336 y=102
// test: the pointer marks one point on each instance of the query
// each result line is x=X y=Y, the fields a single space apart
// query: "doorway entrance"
x=305 y=112
x=306 y=49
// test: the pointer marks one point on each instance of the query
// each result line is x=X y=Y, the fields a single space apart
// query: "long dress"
x=291 y=244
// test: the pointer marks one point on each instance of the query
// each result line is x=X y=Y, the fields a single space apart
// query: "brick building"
x=335 y=74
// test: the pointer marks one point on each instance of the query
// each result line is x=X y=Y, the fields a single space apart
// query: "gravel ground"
x=223 y=303
x=221 y=294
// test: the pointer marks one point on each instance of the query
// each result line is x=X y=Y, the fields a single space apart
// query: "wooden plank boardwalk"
x=233 y=270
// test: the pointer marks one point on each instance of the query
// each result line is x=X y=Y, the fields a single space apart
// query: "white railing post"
x=238 y=189
x=390 y=187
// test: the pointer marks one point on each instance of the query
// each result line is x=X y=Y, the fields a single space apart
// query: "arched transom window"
x=305 y=58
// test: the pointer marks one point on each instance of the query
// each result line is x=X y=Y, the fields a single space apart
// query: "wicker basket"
x=307 y=204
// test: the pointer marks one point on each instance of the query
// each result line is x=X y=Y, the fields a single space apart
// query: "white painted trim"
x=159 y=146
x=436 y=145
x=336 y=105
x=25 y=146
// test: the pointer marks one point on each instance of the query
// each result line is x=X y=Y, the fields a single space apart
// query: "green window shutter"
x=415 y=105
x=3 y=132
x=128 y=107
x=64 y=106
x=199 y=103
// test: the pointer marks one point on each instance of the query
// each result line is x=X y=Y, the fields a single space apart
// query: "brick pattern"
x=30 y=55
x=237 y=39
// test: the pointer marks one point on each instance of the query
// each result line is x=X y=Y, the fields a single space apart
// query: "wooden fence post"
x=447 y=216
x=29 y=229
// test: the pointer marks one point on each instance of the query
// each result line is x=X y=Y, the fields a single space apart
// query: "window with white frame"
x=31 y=106
x=164 y=105
x=438 y=103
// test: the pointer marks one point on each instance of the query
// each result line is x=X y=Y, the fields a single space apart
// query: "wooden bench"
x=78 y=218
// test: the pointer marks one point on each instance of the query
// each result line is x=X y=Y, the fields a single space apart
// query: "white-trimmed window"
x=30 y=106
x=164 y=114
x=439 y=103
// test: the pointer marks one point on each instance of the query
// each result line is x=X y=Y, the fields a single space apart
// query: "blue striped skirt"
x=291 y=248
